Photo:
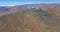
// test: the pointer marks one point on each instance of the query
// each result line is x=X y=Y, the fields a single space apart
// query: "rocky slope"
x=29 y=20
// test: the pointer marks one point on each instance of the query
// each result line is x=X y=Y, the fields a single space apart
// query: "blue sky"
x=21 y=2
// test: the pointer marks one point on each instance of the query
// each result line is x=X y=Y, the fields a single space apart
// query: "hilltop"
x=30 y=18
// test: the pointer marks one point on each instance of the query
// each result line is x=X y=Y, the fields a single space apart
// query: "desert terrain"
x=30 y=18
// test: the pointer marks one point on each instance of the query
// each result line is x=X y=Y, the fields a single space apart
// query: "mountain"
x=30 y=18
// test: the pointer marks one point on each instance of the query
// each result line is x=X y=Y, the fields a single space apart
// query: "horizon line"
x=29 y=3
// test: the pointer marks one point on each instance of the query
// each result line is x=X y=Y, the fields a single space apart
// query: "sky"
x=22 y=2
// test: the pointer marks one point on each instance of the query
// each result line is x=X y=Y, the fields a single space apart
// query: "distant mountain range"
x=49 y=7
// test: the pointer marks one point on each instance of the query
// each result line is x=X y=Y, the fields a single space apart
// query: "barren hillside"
x=29 y=20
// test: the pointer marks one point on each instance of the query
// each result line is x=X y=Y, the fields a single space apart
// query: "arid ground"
x=30 y=18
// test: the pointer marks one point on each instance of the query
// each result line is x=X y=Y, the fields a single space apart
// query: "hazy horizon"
x=22 y=2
